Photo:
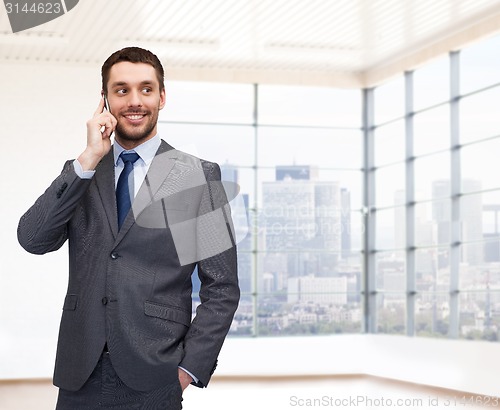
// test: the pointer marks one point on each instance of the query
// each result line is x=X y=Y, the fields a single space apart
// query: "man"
x=139 y=217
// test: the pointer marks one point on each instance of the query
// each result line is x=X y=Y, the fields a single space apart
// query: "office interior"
x=363 y=136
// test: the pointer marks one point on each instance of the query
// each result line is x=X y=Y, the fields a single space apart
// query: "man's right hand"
x=99 y=130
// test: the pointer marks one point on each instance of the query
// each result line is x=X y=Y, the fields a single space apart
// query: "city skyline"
x=309 y=275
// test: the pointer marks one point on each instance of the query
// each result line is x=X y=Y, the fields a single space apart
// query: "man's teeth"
x=135 y=117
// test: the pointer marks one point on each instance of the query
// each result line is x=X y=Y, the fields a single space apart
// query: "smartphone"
x=106 y=103
x=106 y=107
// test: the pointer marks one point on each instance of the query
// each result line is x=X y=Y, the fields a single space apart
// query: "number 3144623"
x=35 y=8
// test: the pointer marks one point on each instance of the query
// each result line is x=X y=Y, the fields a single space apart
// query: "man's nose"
x=134 y=99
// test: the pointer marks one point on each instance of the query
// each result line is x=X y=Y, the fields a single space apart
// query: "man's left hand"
x=184 y=379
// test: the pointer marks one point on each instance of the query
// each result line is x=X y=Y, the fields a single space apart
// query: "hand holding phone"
x=99 y=130
x=106 y=131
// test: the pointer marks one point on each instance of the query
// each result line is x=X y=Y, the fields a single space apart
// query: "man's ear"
x=162 y=98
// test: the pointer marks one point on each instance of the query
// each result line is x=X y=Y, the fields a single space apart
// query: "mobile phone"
x=106 y=103
x=106 y=107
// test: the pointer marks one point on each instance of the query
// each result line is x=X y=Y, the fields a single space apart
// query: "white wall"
x=43 y=111
x=42 y=114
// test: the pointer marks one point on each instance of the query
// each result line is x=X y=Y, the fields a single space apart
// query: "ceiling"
x=346 y=43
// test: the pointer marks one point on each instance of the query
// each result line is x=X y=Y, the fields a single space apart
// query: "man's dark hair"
x=132 y=55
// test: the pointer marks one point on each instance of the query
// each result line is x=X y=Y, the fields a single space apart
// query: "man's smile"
x=135 y=117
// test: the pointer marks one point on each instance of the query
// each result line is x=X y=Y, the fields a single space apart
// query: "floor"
x=359 y=392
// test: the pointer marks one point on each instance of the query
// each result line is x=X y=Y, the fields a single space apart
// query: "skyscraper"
x=301 y=221
x=345 y=222
x=240 y=216
x=471 y=211
x=492 y=233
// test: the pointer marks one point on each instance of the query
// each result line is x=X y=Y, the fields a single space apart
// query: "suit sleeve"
x=43 y=228
x=219 y=292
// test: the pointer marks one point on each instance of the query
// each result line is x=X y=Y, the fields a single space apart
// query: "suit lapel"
x=105 y=181
x=158 y=172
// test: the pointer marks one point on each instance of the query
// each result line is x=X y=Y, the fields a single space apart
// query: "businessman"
x=139 y=217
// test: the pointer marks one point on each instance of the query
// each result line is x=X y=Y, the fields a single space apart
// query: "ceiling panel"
x=348 y=43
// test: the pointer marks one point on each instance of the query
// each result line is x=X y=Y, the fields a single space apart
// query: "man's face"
x=135 y=100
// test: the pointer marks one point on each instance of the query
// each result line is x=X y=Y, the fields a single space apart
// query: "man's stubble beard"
x=122 y=134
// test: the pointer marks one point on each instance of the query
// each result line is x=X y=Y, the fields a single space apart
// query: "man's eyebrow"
x=118 y=83
x=122 y=83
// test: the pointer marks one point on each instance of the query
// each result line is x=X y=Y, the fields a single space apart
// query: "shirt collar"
x=146 y=151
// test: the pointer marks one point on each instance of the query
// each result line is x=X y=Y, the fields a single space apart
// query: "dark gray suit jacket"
x=131 y=288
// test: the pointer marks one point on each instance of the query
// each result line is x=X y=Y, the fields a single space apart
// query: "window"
x=303 y=214
x=298 y=162
x=436 y=204
x=480 y=65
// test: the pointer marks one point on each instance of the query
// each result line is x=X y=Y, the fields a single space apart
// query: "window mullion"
x=455 y=177
x=410 y=207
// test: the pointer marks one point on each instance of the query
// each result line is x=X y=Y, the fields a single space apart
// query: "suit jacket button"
x=114 y=255
x=104 y=300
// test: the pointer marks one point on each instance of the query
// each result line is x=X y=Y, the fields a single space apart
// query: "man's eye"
x=146 y=90
x=122 y=91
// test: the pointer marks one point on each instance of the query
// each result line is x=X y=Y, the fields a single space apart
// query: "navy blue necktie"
x=123 y=202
